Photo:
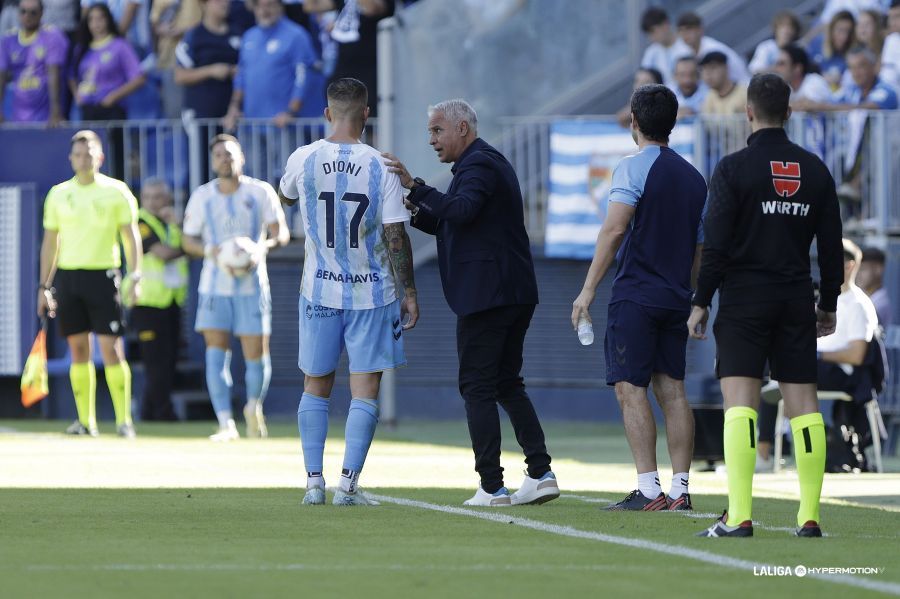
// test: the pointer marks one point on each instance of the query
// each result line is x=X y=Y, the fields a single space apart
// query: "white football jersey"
x=345 y=195
x=216 y=217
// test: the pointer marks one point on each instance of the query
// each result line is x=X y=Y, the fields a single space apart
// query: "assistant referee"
x=766 y=204
x=83 y=219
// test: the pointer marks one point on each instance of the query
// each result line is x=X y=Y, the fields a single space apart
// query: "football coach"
x=488 y=278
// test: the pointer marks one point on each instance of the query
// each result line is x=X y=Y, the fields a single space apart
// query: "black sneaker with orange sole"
x=721 y=529
x=681 y=503
x=638 y=502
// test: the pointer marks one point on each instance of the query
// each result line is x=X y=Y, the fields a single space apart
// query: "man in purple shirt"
x=30 y=60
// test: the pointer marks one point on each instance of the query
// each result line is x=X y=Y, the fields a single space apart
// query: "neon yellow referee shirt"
x=87 y=218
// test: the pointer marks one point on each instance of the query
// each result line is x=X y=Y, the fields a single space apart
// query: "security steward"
x=157 y=314
x=766 y=203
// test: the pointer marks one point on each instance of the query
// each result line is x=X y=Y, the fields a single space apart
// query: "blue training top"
x=655 y=259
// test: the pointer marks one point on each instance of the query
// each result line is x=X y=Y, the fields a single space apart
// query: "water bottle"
x=585 y=330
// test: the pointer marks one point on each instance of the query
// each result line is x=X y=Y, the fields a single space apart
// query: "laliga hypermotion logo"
x=785 y=187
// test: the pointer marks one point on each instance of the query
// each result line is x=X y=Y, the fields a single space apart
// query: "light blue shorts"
x=241 y=314
x=373 y=338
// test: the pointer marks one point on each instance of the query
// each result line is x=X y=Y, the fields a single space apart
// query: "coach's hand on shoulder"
x=395 y=166
x=409 y=306
x=582 y=305
x=826 y=323
x=697 y=322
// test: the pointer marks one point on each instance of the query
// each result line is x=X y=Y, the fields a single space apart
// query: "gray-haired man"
x=488 y=279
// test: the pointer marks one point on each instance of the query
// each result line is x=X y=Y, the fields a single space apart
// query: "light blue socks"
x=218 y=382
x=253 y=379
x=312 y=420
x=361 y=421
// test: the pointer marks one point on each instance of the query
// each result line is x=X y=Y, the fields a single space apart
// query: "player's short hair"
x=690 y=20
x=871 y=254
x=851 y=251
x=687 y=58
x=770 y=97
x=655 y=109
x=88 y=137
x=456 y=111
x=798 y=56
x=863 y=51
x=222 y=138
x=347 y=96
x=653 y=17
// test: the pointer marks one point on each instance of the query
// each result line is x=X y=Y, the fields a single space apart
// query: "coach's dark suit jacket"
x=483 y=249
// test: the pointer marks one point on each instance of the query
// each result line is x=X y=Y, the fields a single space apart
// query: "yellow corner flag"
x=35 y=384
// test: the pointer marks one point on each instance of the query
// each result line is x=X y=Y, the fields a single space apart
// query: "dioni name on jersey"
x=341 y=166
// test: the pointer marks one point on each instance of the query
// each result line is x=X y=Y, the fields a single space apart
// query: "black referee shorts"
x=782 y=333
x=88 y=300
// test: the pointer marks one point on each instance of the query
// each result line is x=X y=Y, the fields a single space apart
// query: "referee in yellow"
x=84 y=218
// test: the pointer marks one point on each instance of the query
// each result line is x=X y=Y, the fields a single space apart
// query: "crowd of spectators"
x=228 y=59
x=850 y=58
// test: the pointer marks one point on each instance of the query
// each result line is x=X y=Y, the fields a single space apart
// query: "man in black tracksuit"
x=766 y=203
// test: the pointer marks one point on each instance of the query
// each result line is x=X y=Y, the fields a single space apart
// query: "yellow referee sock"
x=83 y=377
x=809 y=452
x=740 y=461
x=118 y=379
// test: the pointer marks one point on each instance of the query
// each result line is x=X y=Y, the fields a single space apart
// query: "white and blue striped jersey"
x=216 y=217
x=346 y=194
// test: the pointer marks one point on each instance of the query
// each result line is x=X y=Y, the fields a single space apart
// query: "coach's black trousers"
x=490 y=345
x=158 y=334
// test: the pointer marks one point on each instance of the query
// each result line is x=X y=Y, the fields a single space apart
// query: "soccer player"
x=358 y=255
x=229 y=207
x=652 y=228
x=83 y=219
x=766 y=203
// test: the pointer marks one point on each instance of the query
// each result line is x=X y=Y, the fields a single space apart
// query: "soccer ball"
x=234 y=256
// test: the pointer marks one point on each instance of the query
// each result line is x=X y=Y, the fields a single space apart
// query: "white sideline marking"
x=497 y=515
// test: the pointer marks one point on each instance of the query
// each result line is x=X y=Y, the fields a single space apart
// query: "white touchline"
x=503 y=515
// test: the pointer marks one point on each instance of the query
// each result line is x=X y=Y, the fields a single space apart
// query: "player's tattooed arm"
x=400 y=252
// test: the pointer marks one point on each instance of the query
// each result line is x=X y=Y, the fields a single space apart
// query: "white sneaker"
x=535 y=491
x=484 y=499
x=256 y=422
x=356 y=498
x=226 y=433
x=314 y=496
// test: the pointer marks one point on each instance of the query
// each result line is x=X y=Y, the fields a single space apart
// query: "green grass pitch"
x=174 y=515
